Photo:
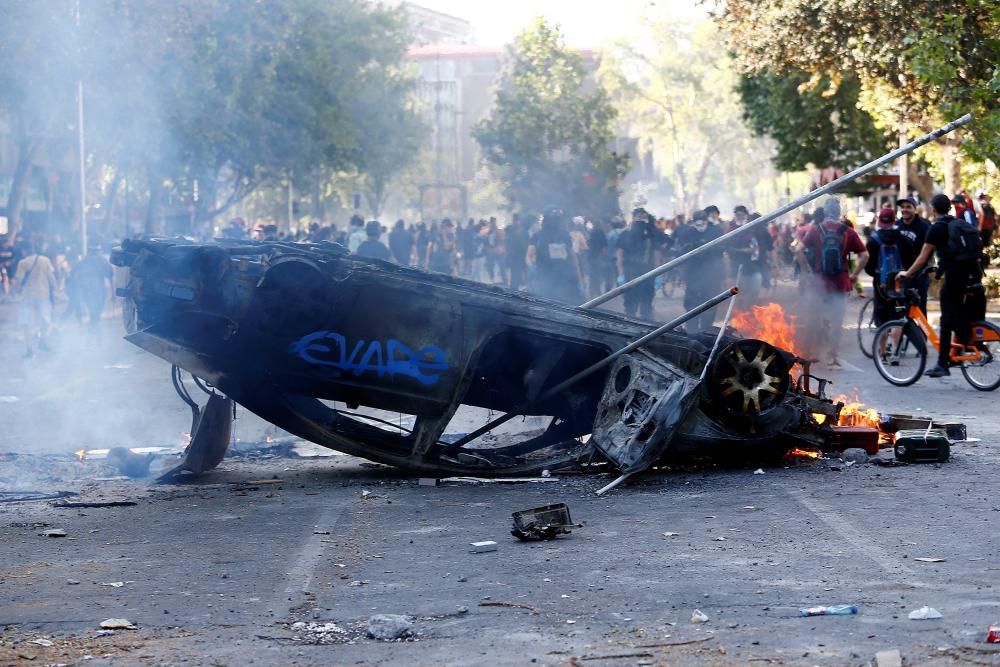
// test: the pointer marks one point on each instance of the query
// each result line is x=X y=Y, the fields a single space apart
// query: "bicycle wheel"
x=984 y=374
x=867 y=327
x=899 y=352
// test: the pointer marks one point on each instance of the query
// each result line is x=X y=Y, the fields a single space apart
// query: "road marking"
x=865 y=544
x=300 y=576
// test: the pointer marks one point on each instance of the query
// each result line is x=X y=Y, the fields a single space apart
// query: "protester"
x=889 y=252
x=356 y=234
x=35 y=286
x=372 y=247
x=493 y=261
x=747 y=255
x=442 y=248
x=640 y=249
x=958 y=247
x=401 y=243
x=832 y=242
x=987 y=219
x=602 y=277
x=93 y=276
x=703 y=276
x=914 y=227
x=557 y=267
x=516 y=247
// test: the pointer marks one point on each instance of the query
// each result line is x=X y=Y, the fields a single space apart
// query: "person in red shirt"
x=831 y=276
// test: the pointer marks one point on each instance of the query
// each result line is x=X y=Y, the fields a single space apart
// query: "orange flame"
x=768 y=323
x=81 y=454
x=804 y=453
x=856 y=413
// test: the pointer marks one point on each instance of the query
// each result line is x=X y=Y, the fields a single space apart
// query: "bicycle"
x=899 y=349
x=867 y=327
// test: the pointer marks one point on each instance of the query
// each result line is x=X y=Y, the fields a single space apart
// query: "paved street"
x=219 y=571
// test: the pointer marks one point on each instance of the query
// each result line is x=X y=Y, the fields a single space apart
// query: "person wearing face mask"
x=747 y=254
x=701 y=277
x=640 y=249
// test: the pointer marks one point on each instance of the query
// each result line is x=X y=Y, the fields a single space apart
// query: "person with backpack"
x=889 y=252
x=959 y=249
x=831 y=243
x=987 y=219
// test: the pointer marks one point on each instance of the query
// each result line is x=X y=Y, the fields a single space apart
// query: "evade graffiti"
x=393 y=358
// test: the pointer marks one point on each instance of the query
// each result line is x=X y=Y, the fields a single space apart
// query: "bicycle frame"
x=959 y=352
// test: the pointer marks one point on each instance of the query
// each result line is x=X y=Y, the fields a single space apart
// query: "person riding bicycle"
x=889 y=252
x=960 y=257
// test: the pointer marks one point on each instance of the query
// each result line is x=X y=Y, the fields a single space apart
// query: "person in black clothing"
x=516 y=245
x=557 y=268
x=887 y=247
x=987 y=219
x=747 y=254
x=915 y=228
x=640 y=249
x=701 y=277
x=401 y=243
x=371 y=247
x=963 y=300
x=602 y=278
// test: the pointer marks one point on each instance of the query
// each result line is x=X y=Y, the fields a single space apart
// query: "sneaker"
x=937 y=372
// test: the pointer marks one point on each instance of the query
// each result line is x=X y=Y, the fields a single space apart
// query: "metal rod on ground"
x=590 y=370
x=722 y=330
x=791 y=206
x=604 y=489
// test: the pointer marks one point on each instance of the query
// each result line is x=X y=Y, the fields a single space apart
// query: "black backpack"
x=965 y=245
x=831 y=256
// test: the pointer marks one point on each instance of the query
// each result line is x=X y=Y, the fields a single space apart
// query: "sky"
x=585 y=23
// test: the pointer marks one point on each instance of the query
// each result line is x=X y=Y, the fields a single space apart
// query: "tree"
x=683 y=98
x=918 y=62
x=548 y=139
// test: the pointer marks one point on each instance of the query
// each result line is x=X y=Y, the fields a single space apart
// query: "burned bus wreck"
x=292 y=331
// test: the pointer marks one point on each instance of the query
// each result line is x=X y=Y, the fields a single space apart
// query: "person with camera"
x=959 y=249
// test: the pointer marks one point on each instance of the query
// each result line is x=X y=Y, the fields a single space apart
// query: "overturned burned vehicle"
x=376 y=360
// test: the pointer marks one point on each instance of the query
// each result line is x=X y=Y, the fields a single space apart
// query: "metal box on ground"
x=927 y=446
x=542 y=523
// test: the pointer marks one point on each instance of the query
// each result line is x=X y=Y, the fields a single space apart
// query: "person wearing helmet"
x=556 y=265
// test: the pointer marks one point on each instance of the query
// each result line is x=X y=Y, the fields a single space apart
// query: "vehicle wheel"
x=867 y=327
x=984 y=375
x=899 y=357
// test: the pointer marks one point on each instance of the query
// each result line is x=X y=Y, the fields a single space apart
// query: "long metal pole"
x=590 y=370
x=82 y=156
x=791 y=206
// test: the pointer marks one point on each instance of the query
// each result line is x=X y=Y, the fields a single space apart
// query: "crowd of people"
x=574 y=258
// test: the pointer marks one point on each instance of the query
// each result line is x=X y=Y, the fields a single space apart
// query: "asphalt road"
x=219 y=571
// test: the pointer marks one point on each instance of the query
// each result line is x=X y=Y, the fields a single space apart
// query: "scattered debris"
x=321 y=532
x=618 y=656
x=53 y=532
x=669 y=534
x=261 y=482
x=114 y=584
x=993 y=635
x=542 y=523
x=888 y=659
x=924 y=614
x=483 y=547
x=318 y=628
x=854 y=455
x=498 y=480
x=698 y=616
x=389 y=627
x=117 y=624
x=42 y=642
x=512 y=605
x=928 y=446
x=928 y=559
x=129 y=463
x=835 y=610
x=758 y=471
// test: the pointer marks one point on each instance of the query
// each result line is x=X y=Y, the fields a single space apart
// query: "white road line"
x=863 y=543
x=300 y=576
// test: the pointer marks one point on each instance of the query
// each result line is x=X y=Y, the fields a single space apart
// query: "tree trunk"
x=952 y=168
x=921 y=182
x=27 y=149
x=154 y=210
x=111 y=201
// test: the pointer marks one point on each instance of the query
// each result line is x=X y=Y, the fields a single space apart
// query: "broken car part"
x=542 y=523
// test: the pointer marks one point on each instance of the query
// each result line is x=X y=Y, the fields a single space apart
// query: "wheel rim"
x=867 y=327
x=984 y=373
x=897 y=358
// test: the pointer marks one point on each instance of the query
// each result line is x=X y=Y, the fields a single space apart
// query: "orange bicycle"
x=900 y=348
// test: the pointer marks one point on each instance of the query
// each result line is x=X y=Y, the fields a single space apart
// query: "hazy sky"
x=586 y=23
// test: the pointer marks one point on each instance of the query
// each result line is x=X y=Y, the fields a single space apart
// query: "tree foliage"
x=210 y=99
x=919 y=62
x=549 y=136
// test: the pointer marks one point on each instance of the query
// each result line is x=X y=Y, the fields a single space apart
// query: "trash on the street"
x=670 y=534
x=889 y=659
x=924 y=614
x=542 y=523
x=993 y=635
x=928 y=446
x=389 y=627
x=53 y=532
x=482 y=547
x=928 y=559
x=758 y=471
x=698 y=616
x=834 y=610
x=114 y=584
x=117 y=624
x=42 y=642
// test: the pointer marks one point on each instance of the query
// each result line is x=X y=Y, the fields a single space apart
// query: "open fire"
x=80 y=454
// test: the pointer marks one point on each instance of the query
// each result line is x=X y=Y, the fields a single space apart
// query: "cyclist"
x=960 y=259
x=889 y=252
x=915 y=228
